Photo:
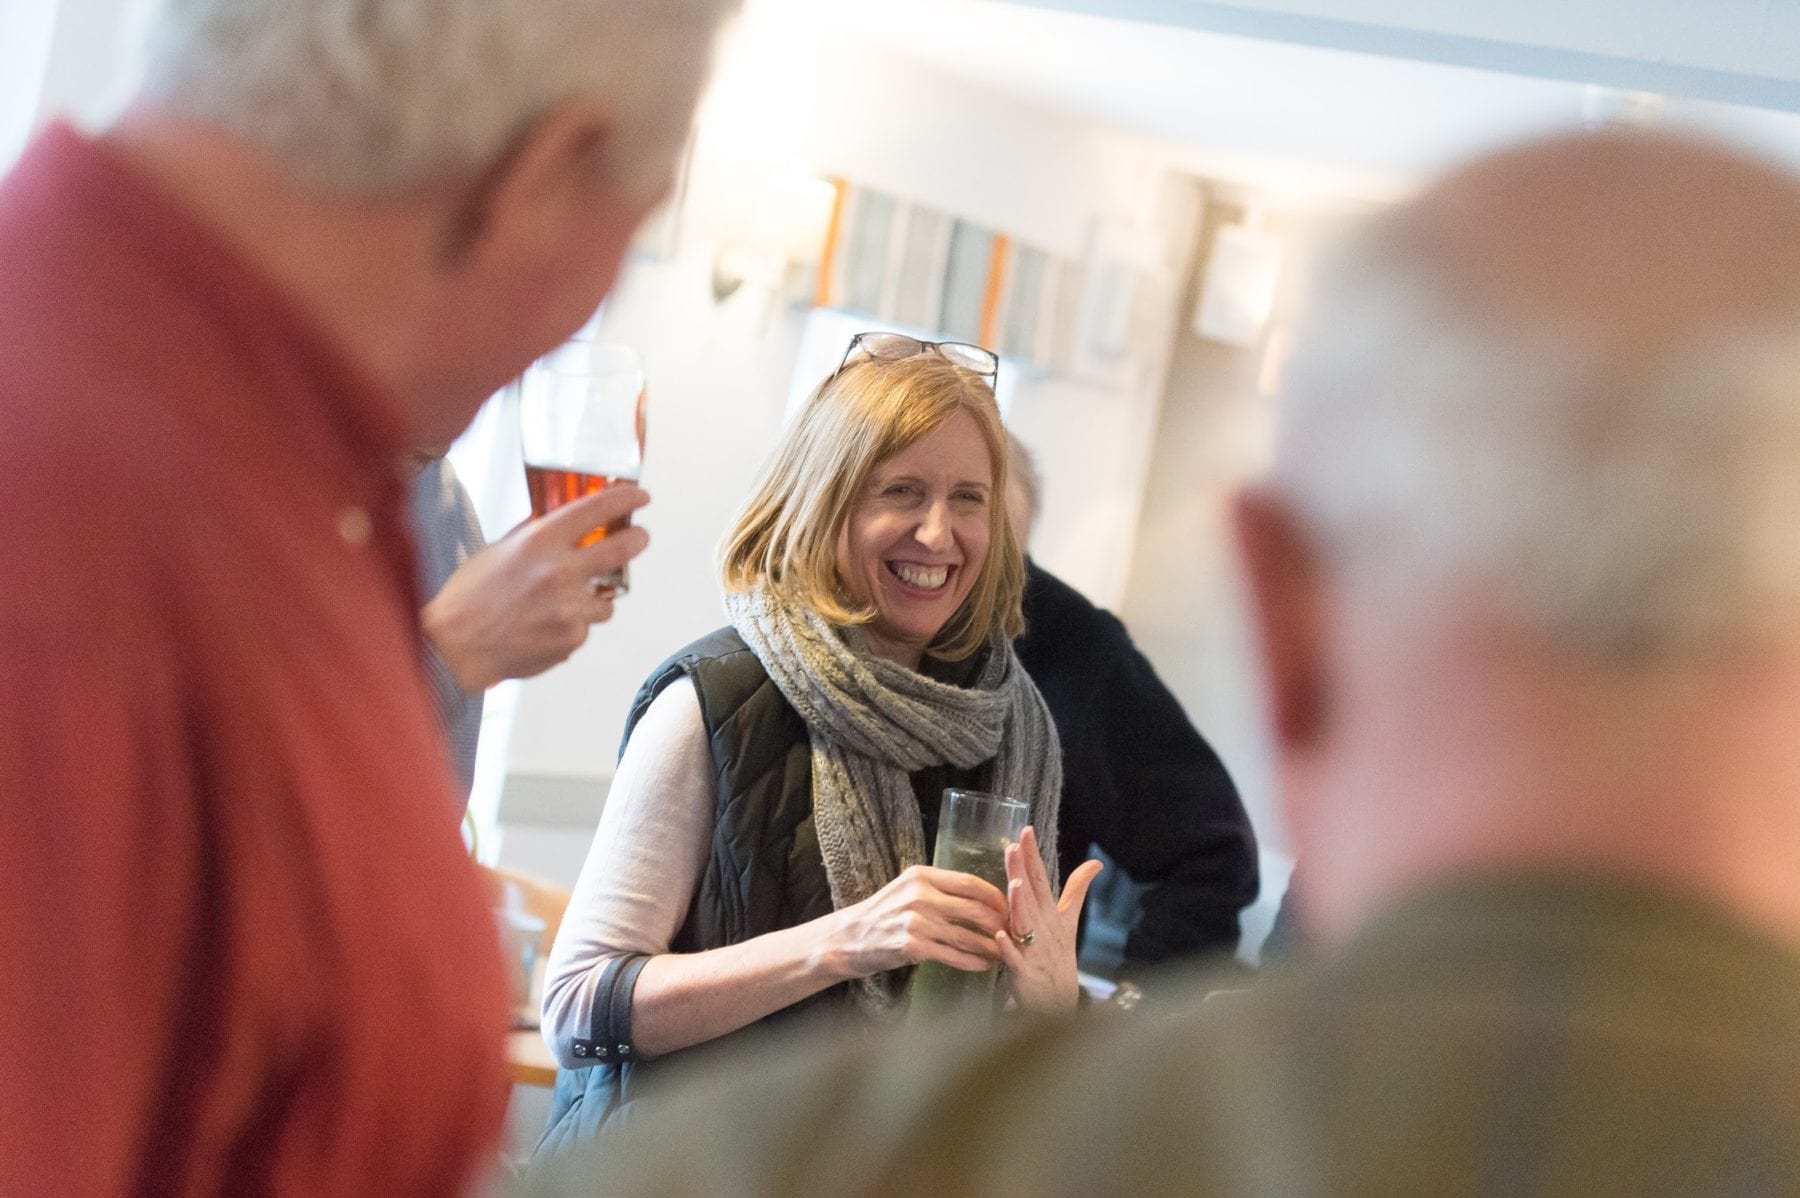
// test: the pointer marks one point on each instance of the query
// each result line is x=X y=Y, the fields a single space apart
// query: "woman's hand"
x=919 y=916
x=1042 y=973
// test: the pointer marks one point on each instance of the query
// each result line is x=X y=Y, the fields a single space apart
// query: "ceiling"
x=1275 y=115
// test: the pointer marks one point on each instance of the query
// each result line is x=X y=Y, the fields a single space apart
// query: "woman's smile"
x=928 y=581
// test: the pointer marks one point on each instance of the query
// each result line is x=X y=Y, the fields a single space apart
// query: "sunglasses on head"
x=897 y=347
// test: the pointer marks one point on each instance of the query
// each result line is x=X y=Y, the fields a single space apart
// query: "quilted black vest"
x=765 y=871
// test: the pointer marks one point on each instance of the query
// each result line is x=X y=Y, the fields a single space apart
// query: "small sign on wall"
x=1238 y=293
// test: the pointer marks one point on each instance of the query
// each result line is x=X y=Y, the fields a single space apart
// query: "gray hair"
x=382 y=95
x=1630 y=510
x=1021 y=468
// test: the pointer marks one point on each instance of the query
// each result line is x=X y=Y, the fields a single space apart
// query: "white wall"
x=792 y=95
x=796 y=92
x=62 y=58
x=720 y=372
x=792 y=91
x=91 y=64
x=1186 y=605
x=718 y=377
x=26 y=28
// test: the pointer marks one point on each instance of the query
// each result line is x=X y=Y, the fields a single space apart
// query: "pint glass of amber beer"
x=581 y=417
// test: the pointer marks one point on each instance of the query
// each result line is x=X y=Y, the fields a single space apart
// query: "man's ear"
x=546 y=183
x=1288 y=602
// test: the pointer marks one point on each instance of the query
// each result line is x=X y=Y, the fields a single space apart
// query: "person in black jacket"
x=1139 y=781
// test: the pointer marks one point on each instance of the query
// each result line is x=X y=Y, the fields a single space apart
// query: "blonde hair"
x=786 y=536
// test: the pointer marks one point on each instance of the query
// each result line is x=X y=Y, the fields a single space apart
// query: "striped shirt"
x=448 y=534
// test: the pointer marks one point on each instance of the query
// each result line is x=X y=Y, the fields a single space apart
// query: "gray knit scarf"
x=872 y=722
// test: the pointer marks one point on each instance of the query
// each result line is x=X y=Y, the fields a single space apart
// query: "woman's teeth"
x=926 y=578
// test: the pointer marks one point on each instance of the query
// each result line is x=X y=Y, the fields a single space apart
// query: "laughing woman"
x=762 y=849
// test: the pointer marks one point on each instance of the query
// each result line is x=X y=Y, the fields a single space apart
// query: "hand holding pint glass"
x=988 y=836
x=974 y=831
x=581 y=415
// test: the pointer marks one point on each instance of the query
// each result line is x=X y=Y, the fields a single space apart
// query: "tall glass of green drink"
x=974 y=828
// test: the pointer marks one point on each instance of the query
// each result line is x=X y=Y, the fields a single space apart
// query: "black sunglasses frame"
x=991 y=374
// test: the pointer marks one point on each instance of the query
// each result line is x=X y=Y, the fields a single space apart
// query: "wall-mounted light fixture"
x=774 y=234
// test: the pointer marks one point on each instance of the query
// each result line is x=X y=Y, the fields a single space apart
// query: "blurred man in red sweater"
x=242 y=949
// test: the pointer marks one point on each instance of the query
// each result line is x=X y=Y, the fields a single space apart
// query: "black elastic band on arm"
x=609 y=1032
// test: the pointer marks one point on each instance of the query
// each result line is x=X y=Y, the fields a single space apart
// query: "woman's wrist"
x=830 y=956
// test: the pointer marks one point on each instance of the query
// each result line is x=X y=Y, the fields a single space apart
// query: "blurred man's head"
x=390 y=95
x=1528 y=563
x=532 y=135
x=1024 y=491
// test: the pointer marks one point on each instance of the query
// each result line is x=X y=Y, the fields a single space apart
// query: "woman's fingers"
x=958 y=959
x=986 y=919
x=967 y=923
x=938 y=909
x=1011 y=955
x=1028 y=894
x=975 y=953
x=1026 y=910
x=951 y=943
x=1034 y=862
x=1076 y=888
x=1019 y=909
x=1031 y=868
x=946 y=894
x=1043 y=974
x=961 y=885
